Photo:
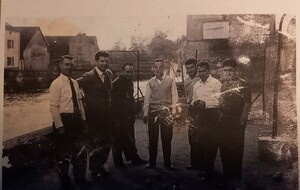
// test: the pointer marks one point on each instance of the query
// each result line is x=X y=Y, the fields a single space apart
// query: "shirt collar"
x=99 y=72
x=163 y=77
x=64 y=77
x=207 y=80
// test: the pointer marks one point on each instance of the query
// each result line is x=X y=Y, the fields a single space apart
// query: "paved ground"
x=23 y=114
x=256 y=175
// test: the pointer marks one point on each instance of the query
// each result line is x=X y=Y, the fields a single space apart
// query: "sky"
x=107 y=29
x=114 y=20
x=109 y=22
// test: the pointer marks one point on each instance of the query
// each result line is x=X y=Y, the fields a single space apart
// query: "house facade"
x=34 y=49
x=81 y=47
x=12 y=47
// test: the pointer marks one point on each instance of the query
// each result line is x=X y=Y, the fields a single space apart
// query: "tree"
x=119 y=46
x=138 y=43
x=160 y=44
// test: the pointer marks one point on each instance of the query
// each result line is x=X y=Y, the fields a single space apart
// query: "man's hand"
x=145 y=119
x=199 y=104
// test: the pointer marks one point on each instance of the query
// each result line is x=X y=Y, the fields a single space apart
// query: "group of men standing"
x=104 y=115
x=85 y=123
x=218 y=112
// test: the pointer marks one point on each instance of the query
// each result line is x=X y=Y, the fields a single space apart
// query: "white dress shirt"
x=207 y=91
x=148 y=92
x=61 y=99
x=101 y=74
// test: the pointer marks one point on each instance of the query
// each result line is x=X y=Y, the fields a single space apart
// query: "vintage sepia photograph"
x=130 y=95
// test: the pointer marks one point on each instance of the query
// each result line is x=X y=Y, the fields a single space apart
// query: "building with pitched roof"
x=81 y=47
x=12 y=47
x=33 y=49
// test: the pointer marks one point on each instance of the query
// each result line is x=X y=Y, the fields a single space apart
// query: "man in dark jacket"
x=97 y=85
x=235 y=102
x=123 y=107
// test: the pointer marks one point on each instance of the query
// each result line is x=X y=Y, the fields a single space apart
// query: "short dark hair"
x=126 y=64
x=203 y=64
x=70 y=57
x=229 y=63
x=190 y=61
x=101 y=53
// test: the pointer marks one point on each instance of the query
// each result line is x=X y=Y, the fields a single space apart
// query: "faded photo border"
x=93 y=9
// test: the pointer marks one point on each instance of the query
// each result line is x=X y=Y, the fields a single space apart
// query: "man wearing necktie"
x=96 y=85
x=68 y=117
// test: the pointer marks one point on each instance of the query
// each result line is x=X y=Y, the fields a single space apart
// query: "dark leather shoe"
x=151 y=166
x=169 y=167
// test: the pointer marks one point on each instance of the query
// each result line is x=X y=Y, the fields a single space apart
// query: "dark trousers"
x=99 y=141
x=207 y=139
x=124 y=141
x=193 y=137
x=166 y=134
x=231 y=144
x=68 y=146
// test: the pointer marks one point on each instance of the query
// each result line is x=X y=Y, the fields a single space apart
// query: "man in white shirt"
x=161 y=97
x=68 y=115
x=205 y=103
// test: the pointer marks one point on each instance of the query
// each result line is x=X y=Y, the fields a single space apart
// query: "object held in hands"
x=199 y=104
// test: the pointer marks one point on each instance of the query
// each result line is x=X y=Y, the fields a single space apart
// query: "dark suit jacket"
x=123 y=105
x=97 y=96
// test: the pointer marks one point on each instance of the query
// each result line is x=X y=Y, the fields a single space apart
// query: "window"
x=10 y=61
x=10 y=44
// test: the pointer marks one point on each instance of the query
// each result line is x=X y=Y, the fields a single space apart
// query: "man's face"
x=158 y=69
x=66 y=67
x=191 y=70
x=228 y=73
x=127 y=72
x=102 y=63
x=203 y=73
